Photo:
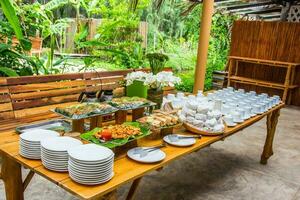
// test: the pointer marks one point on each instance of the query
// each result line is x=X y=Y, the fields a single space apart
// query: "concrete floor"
x=226 y=170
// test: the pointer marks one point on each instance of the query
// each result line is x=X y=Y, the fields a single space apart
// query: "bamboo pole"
x=207 y=12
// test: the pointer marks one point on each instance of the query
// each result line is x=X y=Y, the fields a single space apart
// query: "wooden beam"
x=207 y=12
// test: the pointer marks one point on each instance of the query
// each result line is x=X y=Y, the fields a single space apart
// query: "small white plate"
x=238 y=121
x=231 y=125
x=60 y=144
x=152 y=157
x=91 y=169
x=93 y=164
x=89 y=182
x=181 y=142
x=90 y=153
x=99 y=175
x=37 y=135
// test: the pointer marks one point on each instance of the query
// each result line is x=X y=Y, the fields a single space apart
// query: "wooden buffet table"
x=125 y=169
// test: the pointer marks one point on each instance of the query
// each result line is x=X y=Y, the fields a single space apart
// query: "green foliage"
x=157 y=61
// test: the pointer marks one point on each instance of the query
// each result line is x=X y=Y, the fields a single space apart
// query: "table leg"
x=78 y=125
x=121 y=116
x=12 y=178
x=95 y=122
x=272 y=120
x=110 y=196
x=133 y=188
x=137 y=113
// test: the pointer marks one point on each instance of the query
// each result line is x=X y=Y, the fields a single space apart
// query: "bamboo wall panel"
x=278 y=41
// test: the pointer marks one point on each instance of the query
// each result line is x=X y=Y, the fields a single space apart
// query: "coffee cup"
x=237 y=117
x=171 y=97
x=228 y=119
x=242 y=113
x=180 y=94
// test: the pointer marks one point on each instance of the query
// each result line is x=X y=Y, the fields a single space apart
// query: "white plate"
x=30 y=152
x=55 y=168
x=29 y=144
x=60 y=163
x=59 y=144
x=46 y=156
x=231 y=125
x=181 y=142
x=152 y=157
x=37 y=135
x=91 y=178
x=238 y=121
x=100 y=175
x=89 y=164
x=97 y=182
x=30 y=156
x=89 y=167
x=90 y=153
x=55 y=165
x=91 y=170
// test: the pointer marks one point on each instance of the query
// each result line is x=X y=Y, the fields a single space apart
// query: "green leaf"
x=11 y=16
x=8 y=72
x=26 y=44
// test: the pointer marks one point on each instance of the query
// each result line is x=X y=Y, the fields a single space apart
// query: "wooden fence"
x=278 y=41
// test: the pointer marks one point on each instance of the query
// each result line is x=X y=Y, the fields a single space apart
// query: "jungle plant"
x=157 y=61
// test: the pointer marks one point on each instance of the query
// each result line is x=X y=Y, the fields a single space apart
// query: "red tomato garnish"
x=106 y=135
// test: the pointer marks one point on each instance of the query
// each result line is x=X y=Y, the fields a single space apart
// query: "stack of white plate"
x=54 y=152
x=91 y=164
x=30 y=142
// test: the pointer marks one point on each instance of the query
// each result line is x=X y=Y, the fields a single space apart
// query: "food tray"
x=60 y=125
x=89 y=136
x=132 y=106
x=95 y=113
x=194 y=129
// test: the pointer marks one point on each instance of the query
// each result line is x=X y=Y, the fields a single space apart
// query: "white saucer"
x=231 y=125
x=152 y=157
x=181 y=142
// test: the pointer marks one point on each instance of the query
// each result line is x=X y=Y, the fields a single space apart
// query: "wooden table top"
x=125 y=169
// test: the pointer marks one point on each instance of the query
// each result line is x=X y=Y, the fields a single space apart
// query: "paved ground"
x=226 y=170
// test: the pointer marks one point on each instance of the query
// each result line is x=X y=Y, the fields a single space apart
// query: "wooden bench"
x=34 y=95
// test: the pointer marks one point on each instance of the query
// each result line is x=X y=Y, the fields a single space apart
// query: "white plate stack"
x=54 y=152
x=30 y=142
x=91 y=164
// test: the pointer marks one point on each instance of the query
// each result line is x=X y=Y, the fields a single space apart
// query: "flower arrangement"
x=136 y=76
x=157 y=61
x=157 y=81
x=162 y=79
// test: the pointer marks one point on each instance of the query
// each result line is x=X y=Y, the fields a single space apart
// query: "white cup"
x=191 y=97
x=252 y=93
x=230 y=88
x=171 y=97
x=263 y=107
x=180 y=94
x=237 y=117
x=242 y=112
x=241 y=90
x=228 y=119
x=256 y=109
x=218 y=104
x=248 y=110
x=225 y=109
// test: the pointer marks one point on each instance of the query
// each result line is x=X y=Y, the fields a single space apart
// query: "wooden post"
x=272 y=119
x=207 y=12
x=95 y=122
x=78 y=125
x=137 y=113
x=12 y=178
x=120 y=116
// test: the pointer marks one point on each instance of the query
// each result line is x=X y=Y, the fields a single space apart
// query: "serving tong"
x=144 y=151
x=176 y=138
